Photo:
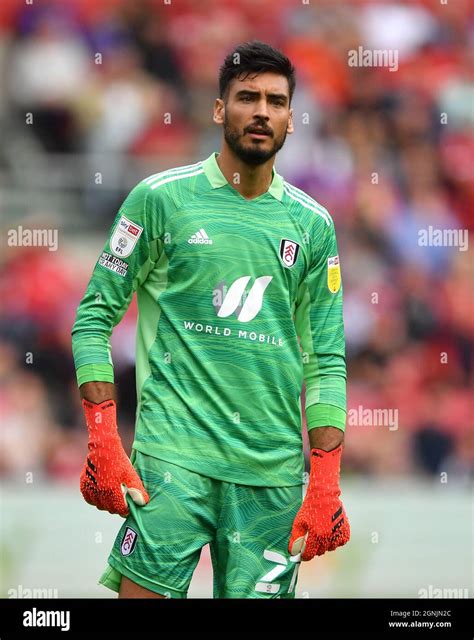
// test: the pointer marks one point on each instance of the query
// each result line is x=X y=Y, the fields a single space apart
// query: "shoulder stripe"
x=180 y=176
x=304 y=196
x=308 y=206
x=301 y=194
x=167 y=172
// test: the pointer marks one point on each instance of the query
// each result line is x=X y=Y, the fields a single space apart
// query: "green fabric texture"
x=325 y=415
x=235 y=313
x=247 y=528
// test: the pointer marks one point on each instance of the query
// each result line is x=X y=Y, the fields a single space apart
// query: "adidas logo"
x=200 y=237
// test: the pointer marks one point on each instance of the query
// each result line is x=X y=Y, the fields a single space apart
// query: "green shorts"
x=247 y=528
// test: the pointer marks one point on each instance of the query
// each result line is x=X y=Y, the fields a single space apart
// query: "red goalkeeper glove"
x=108 y=474
x=321 y=524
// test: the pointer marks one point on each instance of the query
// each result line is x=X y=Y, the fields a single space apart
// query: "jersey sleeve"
x=320 y=327
x=123 y=265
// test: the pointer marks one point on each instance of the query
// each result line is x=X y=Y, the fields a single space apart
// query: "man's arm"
x=320 y=326
x=127 y=257
x=321 y=524
x=123 y=265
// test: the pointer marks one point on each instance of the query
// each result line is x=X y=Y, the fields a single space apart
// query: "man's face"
x=256 y=116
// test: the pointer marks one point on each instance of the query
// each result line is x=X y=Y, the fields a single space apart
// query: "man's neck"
x=250 y=181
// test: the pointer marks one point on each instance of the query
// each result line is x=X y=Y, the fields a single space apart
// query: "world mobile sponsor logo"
x=253 y=336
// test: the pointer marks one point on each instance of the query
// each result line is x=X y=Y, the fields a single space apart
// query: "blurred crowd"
x=388 y=152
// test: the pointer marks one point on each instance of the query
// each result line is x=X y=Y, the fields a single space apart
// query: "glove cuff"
x=326 y=466
x=100 y=418
x=327 y=455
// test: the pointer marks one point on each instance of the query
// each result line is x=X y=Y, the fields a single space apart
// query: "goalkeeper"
x=239 y=292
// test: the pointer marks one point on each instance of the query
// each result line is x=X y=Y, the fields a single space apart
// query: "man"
x=231 y=264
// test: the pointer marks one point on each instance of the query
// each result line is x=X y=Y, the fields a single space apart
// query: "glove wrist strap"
x=325 y=468
x=100 y=418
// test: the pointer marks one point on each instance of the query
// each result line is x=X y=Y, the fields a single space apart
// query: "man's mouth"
x=259 y=133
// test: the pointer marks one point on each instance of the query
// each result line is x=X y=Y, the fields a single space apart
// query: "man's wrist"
x=325 y=438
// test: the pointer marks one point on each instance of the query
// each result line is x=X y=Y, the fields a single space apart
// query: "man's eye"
x=246 y=98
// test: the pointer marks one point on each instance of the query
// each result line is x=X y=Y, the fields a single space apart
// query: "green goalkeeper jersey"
x=239 y=301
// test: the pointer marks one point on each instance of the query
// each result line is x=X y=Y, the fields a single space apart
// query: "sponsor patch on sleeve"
x=114 y=264
x=125 y=237
x=334 y=274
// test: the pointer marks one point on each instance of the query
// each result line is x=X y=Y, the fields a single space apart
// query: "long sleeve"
x=123 y=265
x=320 y=327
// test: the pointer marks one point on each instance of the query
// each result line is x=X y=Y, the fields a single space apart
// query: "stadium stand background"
x=371 y=145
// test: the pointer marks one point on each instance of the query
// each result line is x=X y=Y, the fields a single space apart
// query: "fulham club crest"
x=288 y=252
x=129 y=541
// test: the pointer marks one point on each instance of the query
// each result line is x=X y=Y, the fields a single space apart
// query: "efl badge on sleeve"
x=334 y=274
x=125 y=237
x=288 y=252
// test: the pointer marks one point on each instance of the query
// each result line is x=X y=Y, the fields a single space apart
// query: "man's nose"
x=261 y=110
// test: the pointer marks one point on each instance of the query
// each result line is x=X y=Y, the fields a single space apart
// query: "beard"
x=251 y=154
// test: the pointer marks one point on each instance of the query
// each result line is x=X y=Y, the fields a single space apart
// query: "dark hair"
x=254 y=57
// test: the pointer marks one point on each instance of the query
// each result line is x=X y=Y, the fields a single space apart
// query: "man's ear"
x=290 y=128
x=219 y=111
